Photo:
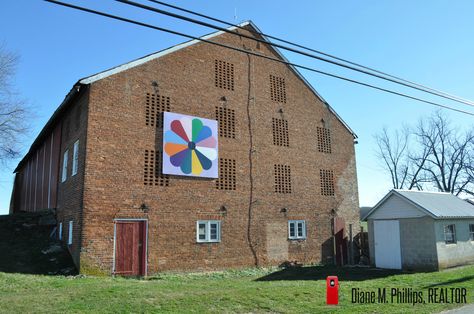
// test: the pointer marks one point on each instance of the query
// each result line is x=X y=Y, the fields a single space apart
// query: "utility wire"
x=255 y=54
x=311 y=49
x=191 y=20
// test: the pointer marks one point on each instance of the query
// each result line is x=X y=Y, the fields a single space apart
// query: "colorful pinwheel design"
x=190 y=145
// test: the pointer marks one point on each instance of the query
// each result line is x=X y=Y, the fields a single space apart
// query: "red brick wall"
x=117 y=138
x=70 y=192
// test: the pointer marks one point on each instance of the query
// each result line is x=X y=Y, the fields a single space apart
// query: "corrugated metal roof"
x=440 y=205
x=436 y=204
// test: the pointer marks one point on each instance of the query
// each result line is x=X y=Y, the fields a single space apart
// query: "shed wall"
x=462 y=252
x=396 y=207
x=418 y=244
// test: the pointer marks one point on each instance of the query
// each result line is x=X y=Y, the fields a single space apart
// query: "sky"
x=429 y=42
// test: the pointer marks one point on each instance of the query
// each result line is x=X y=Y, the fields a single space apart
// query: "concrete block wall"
x=459 y=253
x=418 y=244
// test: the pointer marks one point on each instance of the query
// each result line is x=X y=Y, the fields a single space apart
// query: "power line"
x=255 y=54
x=312 y=50
x=191 y=20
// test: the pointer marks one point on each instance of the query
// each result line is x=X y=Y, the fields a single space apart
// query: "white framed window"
x=296 y=229
x=69 y=237
x=75 y=158
x=64 y=170
x=60 y=231
x=208 y=231
x=471 y=232
x=450 y=234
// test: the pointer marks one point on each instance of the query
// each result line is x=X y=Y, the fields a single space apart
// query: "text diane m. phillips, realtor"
x=409 y=295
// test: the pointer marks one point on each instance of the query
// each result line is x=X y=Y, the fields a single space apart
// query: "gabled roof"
x=438 y=205
x=156 y=55
x=98 y=76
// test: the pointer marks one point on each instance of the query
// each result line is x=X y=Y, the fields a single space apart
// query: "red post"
x=332 y=290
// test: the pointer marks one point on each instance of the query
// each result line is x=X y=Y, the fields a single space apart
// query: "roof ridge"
x=417 y=191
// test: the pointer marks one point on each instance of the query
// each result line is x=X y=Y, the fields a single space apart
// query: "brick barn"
x=286 y=187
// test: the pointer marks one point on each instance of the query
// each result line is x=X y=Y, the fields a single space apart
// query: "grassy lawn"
x=252 y=290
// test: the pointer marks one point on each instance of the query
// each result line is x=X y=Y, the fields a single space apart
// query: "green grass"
x=252 y=290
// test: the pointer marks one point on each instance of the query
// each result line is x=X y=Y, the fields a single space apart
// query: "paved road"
x=467 y=309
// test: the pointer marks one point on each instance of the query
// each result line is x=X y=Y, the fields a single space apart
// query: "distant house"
x=421 y=230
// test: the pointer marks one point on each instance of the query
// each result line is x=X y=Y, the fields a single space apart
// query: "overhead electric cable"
x=191 y=20
x=311 y=49
x=253 y=53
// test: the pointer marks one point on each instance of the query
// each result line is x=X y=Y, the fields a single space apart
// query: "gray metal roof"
x=439 y=205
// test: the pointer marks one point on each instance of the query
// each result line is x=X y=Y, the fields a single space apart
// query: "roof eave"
x=392 y=192
x=52 y=120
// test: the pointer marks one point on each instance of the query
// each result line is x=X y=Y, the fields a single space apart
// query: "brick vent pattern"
x=280 y=132
x=152 y=174
x=155 y=105
x=282 y=179
x=226 y=119
x=277 y=89
x=227 y=178
x=224 y=74
x=324 y=140
x=327 y=182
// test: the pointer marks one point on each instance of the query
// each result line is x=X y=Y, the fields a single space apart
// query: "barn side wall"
x=36 y=182
x=70 y=192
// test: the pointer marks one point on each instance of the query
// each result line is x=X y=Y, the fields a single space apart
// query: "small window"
x=60 y=231
x=471 y=232
x=296 y=229
x=450 y=234
x=69 y=238
x=75 y=158
x=64 y=171
x=208 y=231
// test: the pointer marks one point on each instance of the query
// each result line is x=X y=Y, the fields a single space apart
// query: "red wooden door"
x=130 y=248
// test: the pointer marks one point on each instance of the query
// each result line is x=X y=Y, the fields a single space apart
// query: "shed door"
x=130 y=248
x=387 y=244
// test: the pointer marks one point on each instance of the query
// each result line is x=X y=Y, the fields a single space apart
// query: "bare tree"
x=12 y=110
x=400 y=159
x=433 y=155
x=392 y=150
x=448 y=164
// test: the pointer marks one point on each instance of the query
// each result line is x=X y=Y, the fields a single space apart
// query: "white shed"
x=421 y=230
